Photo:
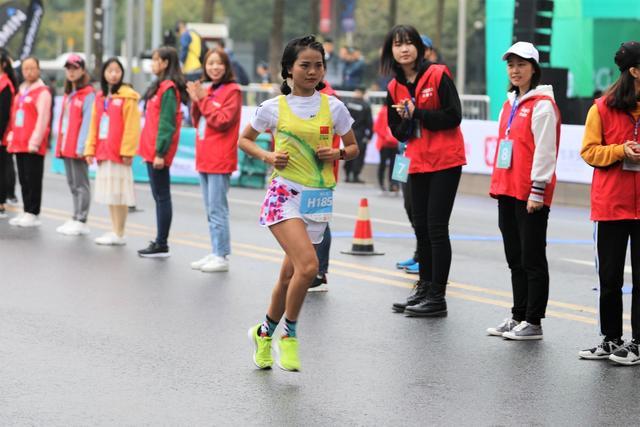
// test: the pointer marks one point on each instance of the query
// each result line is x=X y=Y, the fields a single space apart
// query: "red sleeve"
x=224 y=115
x=195 y=113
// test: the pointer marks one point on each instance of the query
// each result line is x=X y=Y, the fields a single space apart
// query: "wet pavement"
x=95 y=335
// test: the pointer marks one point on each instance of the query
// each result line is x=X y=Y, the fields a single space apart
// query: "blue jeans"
x=322 y=251
x=160 y=182
x=214 y=190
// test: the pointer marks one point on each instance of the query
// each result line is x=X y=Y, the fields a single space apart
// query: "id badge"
x=104 y=127
x=505 y=152
x=19 y=122
x=401 y=168
x=630 y=166
x=202 y=127
x=317 y=205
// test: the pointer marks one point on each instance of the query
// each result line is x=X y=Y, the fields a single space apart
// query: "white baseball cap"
x=524 y=50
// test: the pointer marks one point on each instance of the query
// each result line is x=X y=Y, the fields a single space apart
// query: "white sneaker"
x=110 y=239
x=61 y=229
x=76 y=228
x=197 y=265
x=507 y=325
x=217 y=264
x=29 y=220
x=16 y=219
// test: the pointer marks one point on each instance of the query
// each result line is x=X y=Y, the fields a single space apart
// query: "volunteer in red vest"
x=216 y=109
x=611 y=144
x=159 y=140
x=523 y=181
x=8 y=86
x=424 y=112
x=29 y=139
x=113 y=139
x=73 y=128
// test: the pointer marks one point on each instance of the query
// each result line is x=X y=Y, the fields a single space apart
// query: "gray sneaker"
x=507 y=325
x=524 y=331
x=602 y=351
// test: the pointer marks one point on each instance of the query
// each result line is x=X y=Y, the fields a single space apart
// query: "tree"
x=314 y=16
x=393 y=13
x=208 y=10
x=275 y=41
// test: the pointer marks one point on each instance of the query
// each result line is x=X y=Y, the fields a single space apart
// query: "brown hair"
x=228 y=69
x=83 y=81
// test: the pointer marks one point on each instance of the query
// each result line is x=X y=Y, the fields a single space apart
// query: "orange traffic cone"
x=362 y=236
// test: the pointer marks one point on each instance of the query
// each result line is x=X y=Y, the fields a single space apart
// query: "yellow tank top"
x=192 y=62
x=301 y=138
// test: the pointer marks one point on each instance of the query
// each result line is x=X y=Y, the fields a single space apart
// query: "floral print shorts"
x=282 y=202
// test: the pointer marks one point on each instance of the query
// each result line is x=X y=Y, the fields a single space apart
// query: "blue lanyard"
x=514 y=108
x=105 y=104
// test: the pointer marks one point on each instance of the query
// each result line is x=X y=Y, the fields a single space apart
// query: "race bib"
x=104 y=127
x=317 y=205
x=505 y=152
x=401 y=168
x=19 y=122
x=202 y=127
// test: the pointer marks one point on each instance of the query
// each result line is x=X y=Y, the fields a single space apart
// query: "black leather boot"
x=433 y=305
x=419 y=292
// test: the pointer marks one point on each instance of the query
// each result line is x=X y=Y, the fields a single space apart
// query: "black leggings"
x=387 y=155
x=524 y=236
x=160 y=182
x=30 y=173
x=432 y=197
x=612 y=240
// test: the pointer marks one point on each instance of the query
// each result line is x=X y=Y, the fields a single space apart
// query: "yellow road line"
x=362 y=272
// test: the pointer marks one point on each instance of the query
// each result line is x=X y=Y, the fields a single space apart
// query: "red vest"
x=516 y=181
x=151 y=124
x=109 y=148
x=615 y=193
x=217 y=152
x=434 y=150
x=21 y=134
x=4 y=82
x=67 y=145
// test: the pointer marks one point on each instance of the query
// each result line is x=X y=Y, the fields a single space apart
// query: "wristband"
x=342 y=153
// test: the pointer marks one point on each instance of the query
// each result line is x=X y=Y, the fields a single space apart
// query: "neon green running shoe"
x=288 y=352
x=261 y=348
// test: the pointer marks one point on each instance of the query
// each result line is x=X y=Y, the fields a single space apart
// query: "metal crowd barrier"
x=475 y=107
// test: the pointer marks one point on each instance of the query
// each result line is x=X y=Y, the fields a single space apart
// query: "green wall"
x=586 y=34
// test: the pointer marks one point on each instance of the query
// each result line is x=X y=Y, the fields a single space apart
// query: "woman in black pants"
x=424 y=111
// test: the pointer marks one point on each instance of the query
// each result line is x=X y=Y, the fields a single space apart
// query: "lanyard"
x=22 y=97
x=215 y=91
x=636 y=124
x=105 y=104
x=514 y=108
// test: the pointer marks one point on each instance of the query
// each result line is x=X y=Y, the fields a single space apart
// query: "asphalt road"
x=95 y=335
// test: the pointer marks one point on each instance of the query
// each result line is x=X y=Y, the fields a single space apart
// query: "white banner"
x=481 y=141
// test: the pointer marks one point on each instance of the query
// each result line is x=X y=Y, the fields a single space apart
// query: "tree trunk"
x=98 y=37
x=208 y=11
x=393 y=13
x=275 y=41
x=437 y=40
x=314 y=16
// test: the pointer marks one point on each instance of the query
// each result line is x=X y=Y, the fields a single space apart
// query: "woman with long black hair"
x=611 y=146
x=424 y=111
x=159 y=139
